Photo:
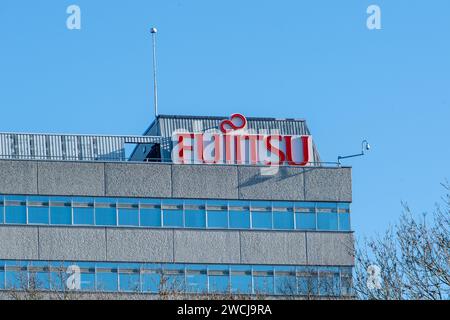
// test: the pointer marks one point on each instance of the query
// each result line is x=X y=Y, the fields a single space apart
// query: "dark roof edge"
x=168 y=116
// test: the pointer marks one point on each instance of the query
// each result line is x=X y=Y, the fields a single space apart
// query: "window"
x=87 y=275
x=196 y=279
x=151 y=280
x=283 y=215
x=173 y=218
x=239 y=215
x=305 y=216
x=217 y=212
x=327 y=221
x=241 y=279
x=83 y=216
x=16 y=214
x=219 y=279
x=308 y=281
x=175 y=213
x=87 y=281
x=329 y=281
x=195 y=218
x=261 y=215
x=151 y=217
x=305 y=220
x=2 y=214
x=217 y=219
x=107 y=279
x=38 y=215
x=39 y=276
x=344 y=216
x=285 y=281
x=173 y=278
x=2 y=277
x=58 y=275
x=105 y=216
x=263 y=280
x=346 y=281
x=344 y=221
x=128 y=217
x=16 y=276
x=191 y=278
x=61 y=215
x=327 y=218
x=283 y=220
x=129 y=278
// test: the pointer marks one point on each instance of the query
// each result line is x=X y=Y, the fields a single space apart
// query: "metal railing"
x=68 y=147
x=27 y=146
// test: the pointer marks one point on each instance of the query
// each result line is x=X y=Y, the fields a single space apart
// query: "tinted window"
x=261 y=220
x=151 y=217
x=240 y=219
x=173 y=218
x=105 y=216
x=83 y=216
x=16 y=214
x=305 y=220
x=327 y=221
x=344 y=221
x=283 y=220
x=217 y=219
x=38 y=215
x=129 y=217
x=61 y=215
x=195 y=218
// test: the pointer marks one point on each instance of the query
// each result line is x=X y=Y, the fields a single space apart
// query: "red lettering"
x=181 y=146
x=272 y=149
x=305 y=143
x=253 y=147
x=216 y=150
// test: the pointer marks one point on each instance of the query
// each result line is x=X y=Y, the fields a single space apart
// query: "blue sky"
x=305 y=59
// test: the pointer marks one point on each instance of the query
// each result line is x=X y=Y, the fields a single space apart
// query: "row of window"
x=175 y=213
x=176 y=278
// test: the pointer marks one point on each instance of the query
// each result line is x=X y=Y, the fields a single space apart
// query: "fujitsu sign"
x=234 y=144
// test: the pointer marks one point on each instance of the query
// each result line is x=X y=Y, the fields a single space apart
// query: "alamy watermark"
x=73 y=21
x=374 y=19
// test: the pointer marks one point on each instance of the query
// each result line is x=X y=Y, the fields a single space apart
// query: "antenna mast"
x=155 y=85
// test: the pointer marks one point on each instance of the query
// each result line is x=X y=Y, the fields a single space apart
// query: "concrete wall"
x=174 y=181
x=178 y=246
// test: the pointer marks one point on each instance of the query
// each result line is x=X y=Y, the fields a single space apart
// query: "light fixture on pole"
x=365 y=146
x=153 y=31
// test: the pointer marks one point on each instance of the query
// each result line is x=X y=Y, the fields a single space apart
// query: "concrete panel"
x=71 y=178
x=205 y=181
x=200 y=246
x=138 y=180
x=330 y=248
x=140 y=245
x=286 y=183
x=18 y=177
x=328 y=184
x=18 y=243
x=72 y=243
x=276 y=247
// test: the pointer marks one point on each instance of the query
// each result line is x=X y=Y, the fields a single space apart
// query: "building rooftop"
x=156 y=142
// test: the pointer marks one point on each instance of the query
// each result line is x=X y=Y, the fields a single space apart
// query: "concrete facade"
x=173 y=181
x=175 y=245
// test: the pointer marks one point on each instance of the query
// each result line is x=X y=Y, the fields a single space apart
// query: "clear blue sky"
x=306 y=59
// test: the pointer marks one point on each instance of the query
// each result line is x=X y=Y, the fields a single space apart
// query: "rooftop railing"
x=69 y=147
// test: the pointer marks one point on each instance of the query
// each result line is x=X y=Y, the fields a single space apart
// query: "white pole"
x=155 y=85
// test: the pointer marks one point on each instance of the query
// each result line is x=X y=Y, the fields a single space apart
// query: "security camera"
x=153 y=30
